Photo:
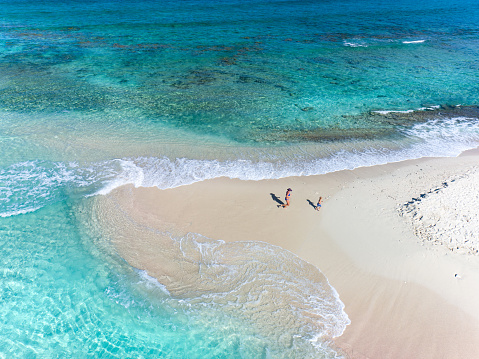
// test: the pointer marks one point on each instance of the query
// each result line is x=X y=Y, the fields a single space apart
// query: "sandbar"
x=407 y=295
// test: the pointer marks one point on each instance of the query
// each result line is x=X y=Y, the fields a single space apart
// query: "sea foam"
x=414 y=42
x=27 y=186
x=439 y=138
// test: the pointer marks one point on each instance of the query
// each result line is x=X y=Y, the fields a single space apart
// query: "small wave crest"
x=151 y=282
x=28 y=186
x=442 y=138
x=355 y=43
x=414 y=42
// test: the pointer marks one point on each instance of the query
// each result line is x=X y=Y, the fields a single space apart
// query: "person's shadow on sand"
x=276 y=199
x=311 y=203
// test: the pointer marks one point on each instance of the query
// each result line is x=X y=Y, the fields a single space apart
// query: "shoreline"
x=405 y=299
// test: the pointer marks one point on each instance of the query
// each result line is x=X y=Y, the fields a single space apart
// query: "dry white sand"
x=383 y=246
x=448 y=215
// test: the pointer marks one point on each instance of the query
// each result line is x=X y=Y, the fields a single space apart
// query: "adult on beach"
x=287 y=197
x=318 y=206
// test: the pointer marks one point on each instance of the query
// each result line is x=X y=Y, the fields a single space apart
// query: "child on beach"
x=318 y=206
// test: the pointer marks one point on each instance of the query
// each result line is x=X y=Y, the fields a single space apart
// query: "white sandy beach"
x=398 y=242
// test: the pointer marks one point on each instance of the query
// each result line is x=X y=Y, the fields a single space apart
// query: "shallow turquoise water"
x=256 y=72
x=64 y=295
x=98 y=94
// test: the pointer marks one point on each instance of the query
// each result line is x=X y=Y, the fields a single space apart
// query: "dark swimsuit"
x=287 y=196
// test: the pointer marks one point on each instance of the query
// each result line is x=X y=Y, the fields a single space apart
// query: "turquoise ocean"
x=95 y=94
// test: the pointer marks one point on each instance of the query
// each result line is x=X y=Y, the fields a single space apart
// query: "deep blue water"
x=96 y=94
